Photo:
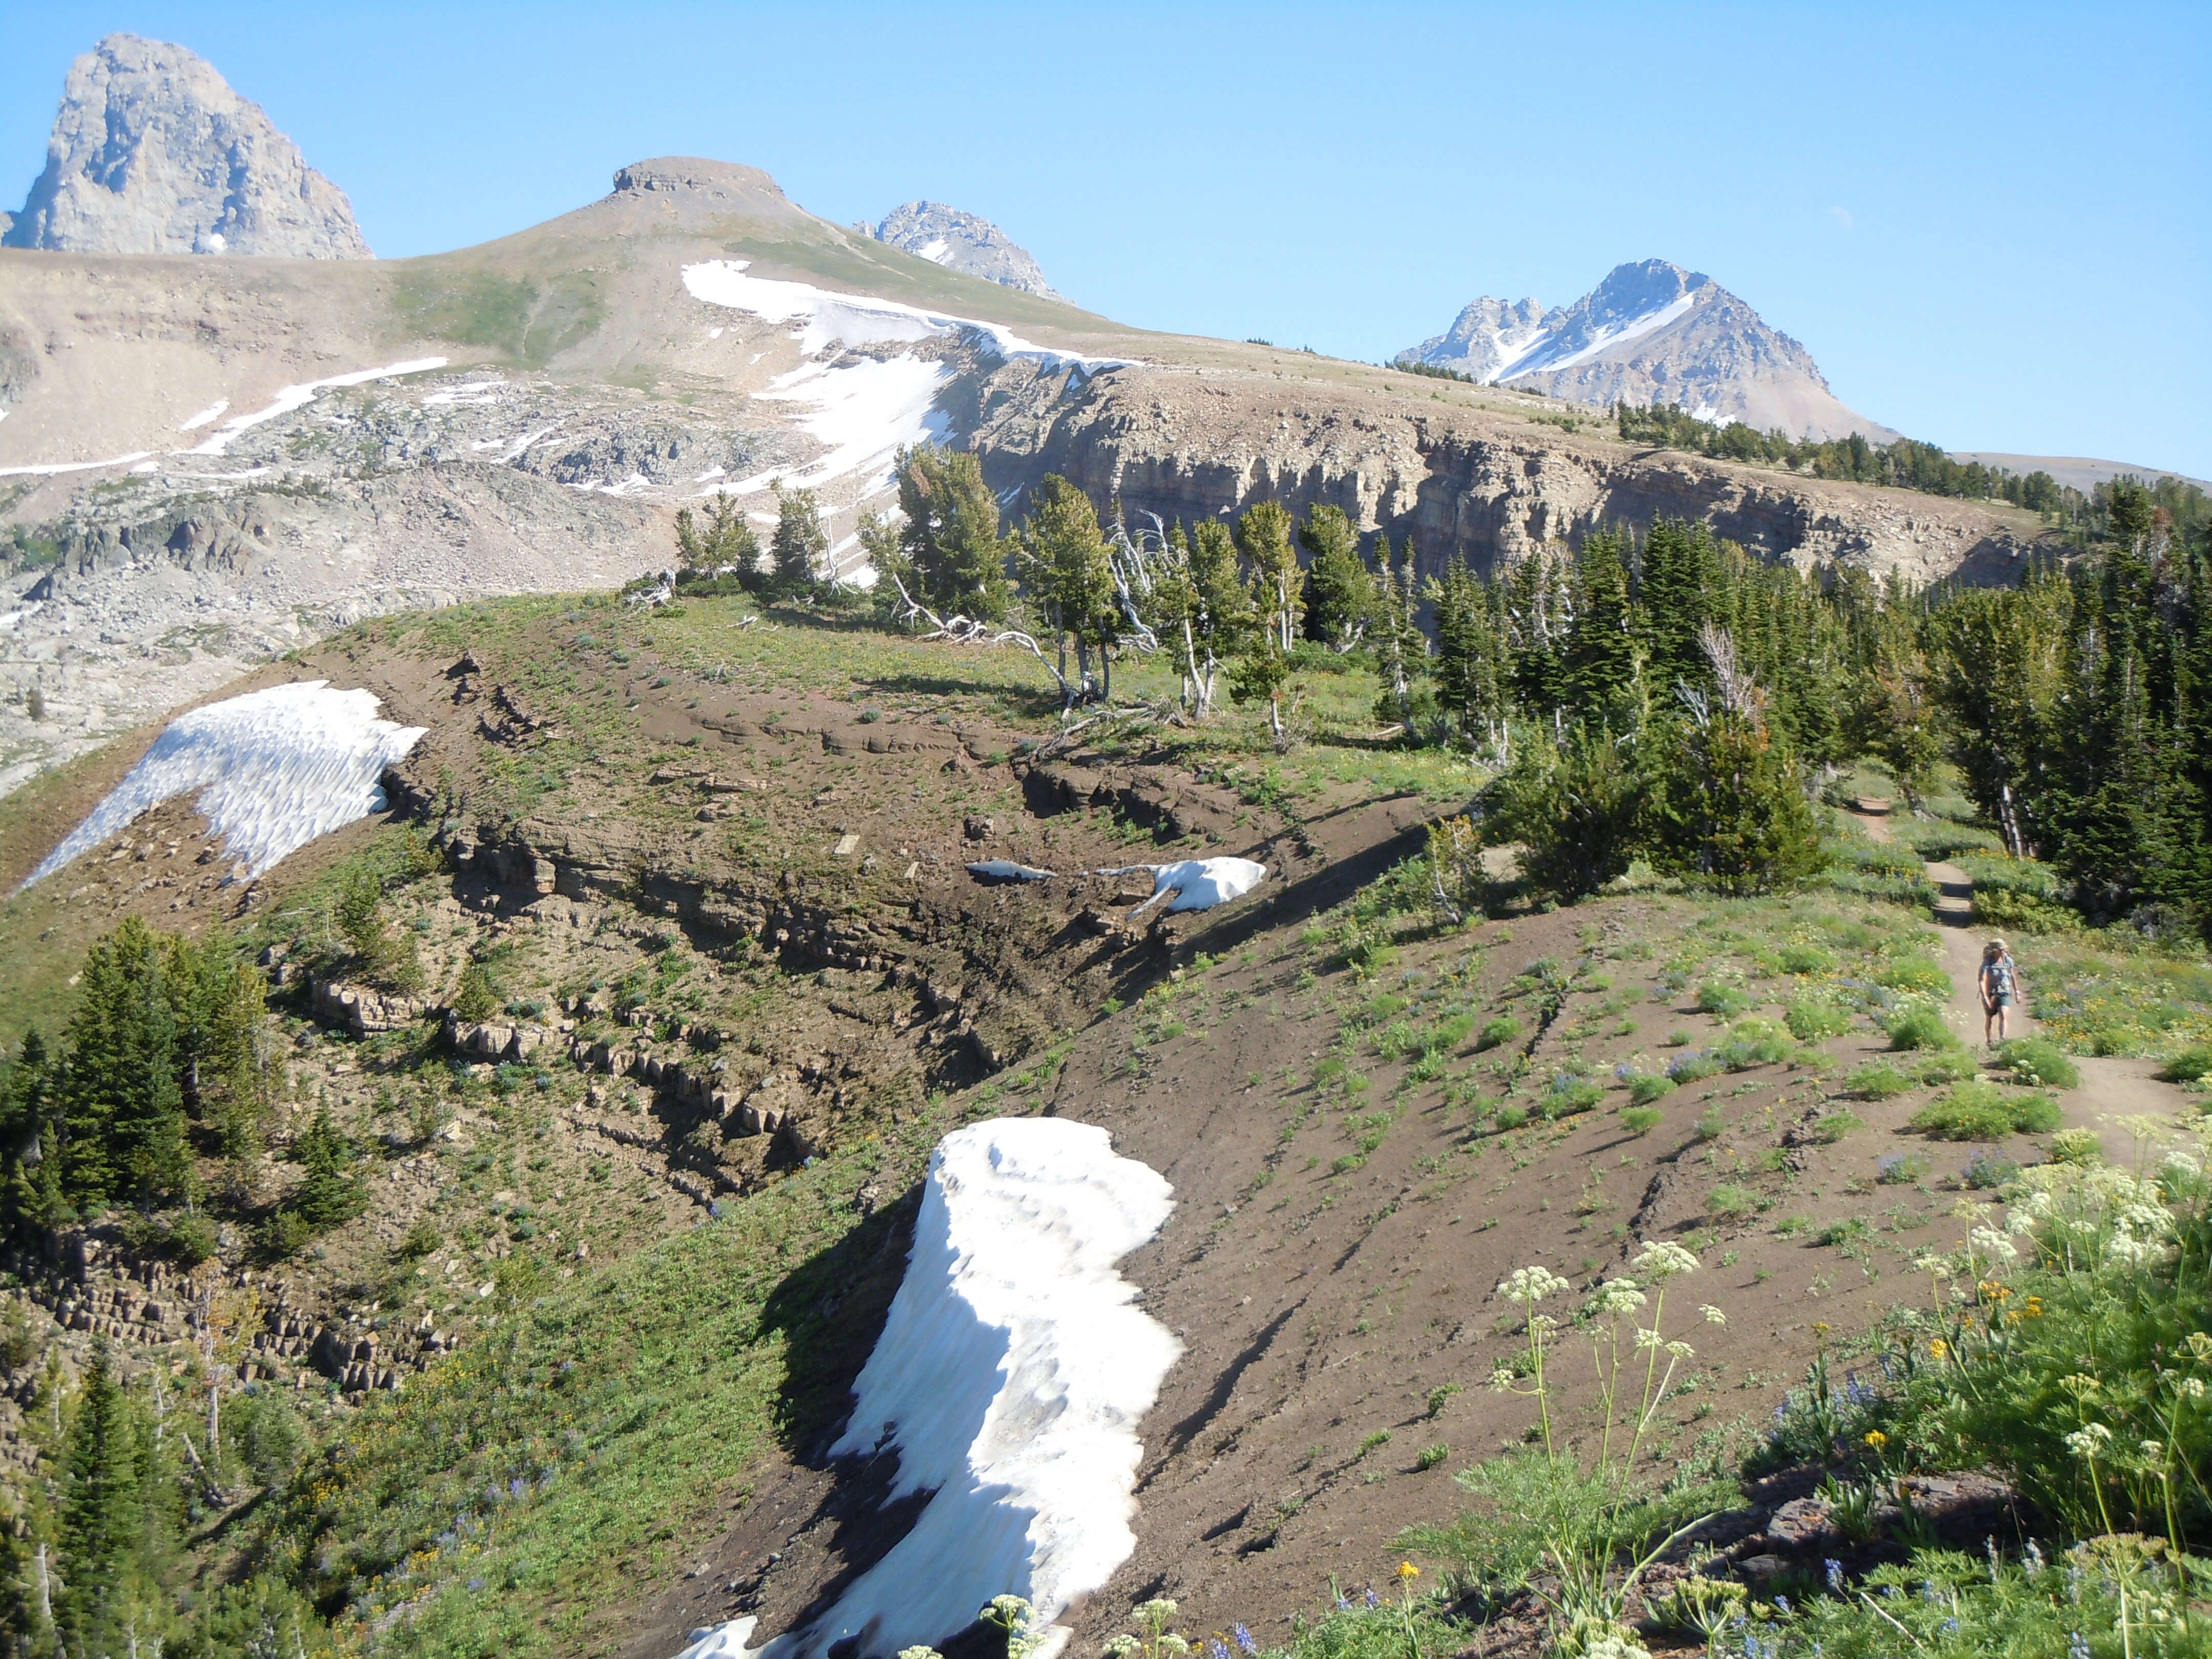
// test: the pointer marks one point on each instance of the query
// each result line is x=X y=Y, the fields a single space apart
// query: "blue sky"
x=1989 y=224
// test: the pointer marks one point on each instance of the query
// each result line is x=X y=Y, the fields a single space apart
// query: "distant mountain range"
x=960 y=241
x=1651 y=333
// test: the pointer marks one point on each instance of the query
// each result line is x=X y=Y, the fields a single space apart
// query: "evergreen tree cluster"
x=98 y=1550
x=2079 y=709
x=718 y=553
x=162 y=1051
x=1906 y=464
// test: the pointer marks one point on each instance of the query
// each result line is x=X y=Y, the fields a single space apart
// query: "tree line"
x=1906 y=464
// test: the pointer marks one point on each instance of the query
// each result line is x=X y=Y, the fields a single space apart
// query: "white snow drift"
x=291 y=397
x=1201 y=884
x=826 y=318
x=1011 y=1377
x=275 y=769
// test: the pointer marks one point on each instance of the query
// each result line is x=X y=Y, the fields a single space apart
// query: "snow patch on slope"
x=275 y=769
x=864 y=411
x=1011 y=1376
x=1569 y=347
x=1201 y=884
x=824 y=319
x=291 y=397
x=49 y=469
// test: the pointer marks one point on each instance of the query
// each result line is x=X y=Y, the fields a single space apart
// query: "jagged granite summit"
x=153 y=152
x=1651 y=333
x=960 y=241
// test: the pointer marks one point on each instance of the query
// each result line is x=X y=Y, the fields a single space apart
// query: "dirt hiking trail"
x=2113 y=1089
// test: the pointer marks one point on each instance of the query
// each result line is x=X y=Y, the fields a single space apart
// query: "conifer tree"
x=329 y=1194
x=1469 y=671
x=1278 y=582
x=1064 y=569
x=1678 y=591
x=121 y=1108
x=1337 y=585
x=102 y=1515
x=798 y=545
x=723 y=541
x=951 y=536
x=1601 y=656
x=1400 y=645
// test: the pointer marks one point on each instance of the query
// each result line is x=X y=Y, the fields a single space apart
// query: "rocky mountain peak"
x=152 y=152
x=960 y=241
x=1651 y=333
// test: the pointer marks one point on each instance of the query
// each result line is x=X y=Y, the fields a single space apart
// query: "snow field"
x=853 y=319
x=275 y=769
x=1011 y=1378
x=291 y=397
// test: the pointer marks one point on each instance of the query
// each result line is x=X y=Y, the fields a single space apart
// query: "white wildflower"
x=1995 y=1245
x=1617 y=1297
x=1529 y=1286
x=1663 y=1260
x=2090 y=1441
x=1713 y=1316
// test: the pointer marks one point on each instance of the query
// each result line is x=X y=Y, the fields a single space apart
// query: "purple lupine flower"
x=1216 y=1648
x=1243 y=1638
x=2077 y=1646
x=1782 y=1602
x=1373 y=1600
x=1835 y=1577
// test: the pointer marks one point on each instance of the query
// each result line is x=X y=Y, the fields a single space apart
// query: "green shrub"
x=1835 y=1125
x=1710 y=1124
x=1901 y=1169
x=2189 y=1065
x=1877 y=1081
x=1692 y=1068
x=1811 y=1018
x=1920 y=1028
x=419 y=1240
x=1807 y=959
x=192 y=1239
x=2023 y=913
x=1948 y=1066
x=1641 y=1119
x=1503 y=1030
x=1647 y=1086
x=1756 y=1042
x=1916 y=975
x=1731 y=1202
x=1975 y=1110
x=1512 y=1117
x=2076 y=1147
x=1571 y=1094
x=1722 y=1001
x=284 y=1234
x=1429 y=1457
x=474 y=998
x=2037 y=1060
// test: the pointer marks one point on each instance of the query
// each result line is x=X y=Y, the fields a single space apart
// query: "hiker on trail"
x=1999 y=980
